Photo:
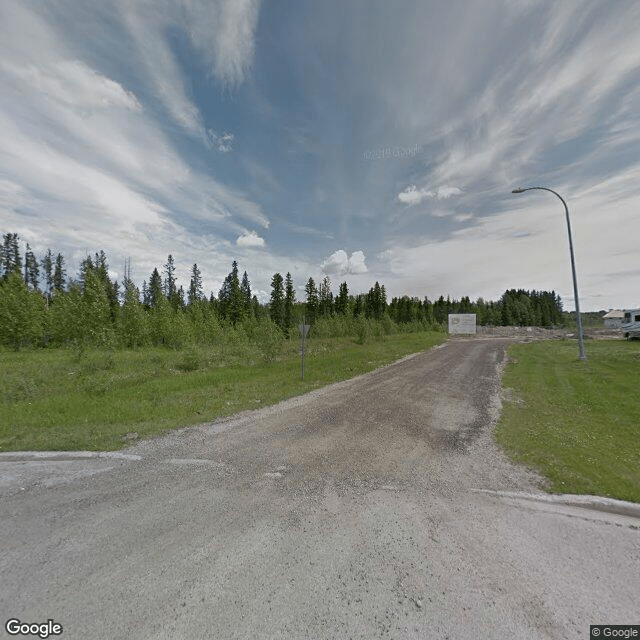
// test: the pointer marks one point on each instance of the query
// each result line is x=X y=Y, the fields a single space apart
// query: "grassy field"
x=65 y=400
x=577 y=423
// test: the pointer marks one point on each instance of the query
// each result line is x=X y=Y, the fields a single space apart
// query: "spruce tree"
x=245 y=288
x=155 y=289
x=179 y=298
x=59 y=274
x=170 y=289
x=376 y=302
x=440 y=310
x=325 y=298
x=359 y=305
x=10 y=259
x=255 y=307
x=195 y=286
x=102 y=267
x=230 y=298
x=311 y=307
x=276 y=303
x=342 y=300
x=132 y=320
x=31 y=269
x=289 y=301
x=85 y=267
x=47 y=267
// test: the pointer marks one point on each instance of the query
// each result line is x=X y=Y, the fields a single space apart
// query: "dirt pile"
x=539 y=333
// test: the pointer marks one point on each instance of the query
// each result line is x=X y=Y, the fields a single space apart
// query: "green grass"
x=577 y=423
x=65 y=400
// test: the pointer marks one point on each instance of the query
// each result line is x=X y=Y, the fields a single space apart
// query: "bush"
x=191 y=360
x=21 y=313
x=362 y=330
x=168 y=326
x=266 y=336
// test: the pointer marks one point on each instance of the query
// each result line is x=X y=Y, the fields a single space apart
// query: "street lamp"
x=583 y=355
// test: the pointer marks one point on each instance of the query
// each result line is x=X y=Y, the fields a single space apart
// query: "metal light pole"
x=583 y=355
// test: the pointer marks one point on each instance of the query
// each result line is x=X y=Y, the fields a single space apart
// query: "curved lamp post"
x=583 y=356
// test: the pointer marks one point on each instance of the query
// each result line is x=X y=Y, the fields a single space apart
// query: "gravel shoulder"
x=375 y=507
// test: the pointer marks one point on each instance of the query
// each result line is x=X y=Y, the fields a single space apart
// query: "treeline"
x=41 y=306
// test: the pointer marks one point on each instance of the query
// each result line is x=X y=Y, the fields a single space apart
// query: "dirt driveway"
x=367 y=509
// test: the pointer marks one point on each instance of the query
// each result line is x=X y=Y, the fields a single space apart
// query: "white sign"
x=304 y=329
x=462 y=323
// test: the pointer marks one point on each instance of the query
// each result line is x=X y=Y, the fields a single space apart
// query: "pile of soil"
x=539 y=333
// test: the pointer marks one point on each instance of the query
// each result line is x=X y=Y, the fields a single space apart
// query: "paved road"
x=371 y=508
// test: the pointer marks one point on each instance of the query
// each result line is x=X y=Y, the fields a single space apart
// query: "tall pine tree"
x=325 y=298
x=170 y=286
x=289 y=301
x=195 y=286
x=155 y=289
x=245 y=289
x=231 y=299
x=10 y=259
x=342 y=300
x=276 y=303
x=31 y=269
x=47 y=267
x=59 y=274
x=311 y=306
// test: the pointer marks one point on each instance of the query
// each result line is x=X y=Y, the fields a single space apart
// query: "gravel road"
x=376 y=507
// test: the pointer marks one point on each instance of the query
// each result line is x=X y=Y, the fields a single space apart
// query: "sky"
x=365 y=140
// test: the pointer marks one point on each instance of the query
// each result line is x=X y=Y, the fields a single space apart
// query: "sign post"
x=304 y=329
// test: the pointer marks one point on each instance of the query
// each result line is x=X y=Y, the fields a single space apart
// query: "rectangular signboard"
x=304 y=329
x=462 y=323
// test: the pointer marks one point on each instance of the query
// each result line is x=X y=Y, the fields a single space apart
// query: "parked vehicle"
x=631 y=323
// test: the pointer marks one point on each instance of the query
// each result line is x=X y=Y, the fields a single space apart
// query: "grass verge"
x=577 y=423
x=64 y=400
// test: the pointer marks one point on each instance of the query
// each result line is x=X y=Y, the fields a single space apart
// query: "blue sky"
x=365 y=140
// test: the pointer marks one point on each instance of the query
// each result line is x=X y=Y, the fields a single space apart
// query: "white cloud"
x=250 y=239
x=12 y=195
x=356 y=263
x=442 y=193
x=146 y=26
x=340 y=264
x=336 y=263
x=223 y=32
x=224 y=142
x=71 y=83
x=221 y=142
x=412 y=195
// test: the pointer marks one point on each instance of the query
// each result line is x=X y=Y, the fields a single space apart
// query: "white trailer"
x=631 y=323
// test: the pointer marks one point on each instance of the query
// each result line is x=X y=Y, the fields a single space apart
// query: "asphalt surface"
x=376 y=507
